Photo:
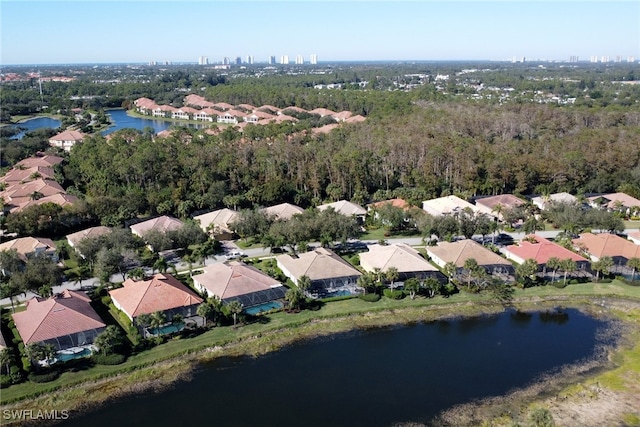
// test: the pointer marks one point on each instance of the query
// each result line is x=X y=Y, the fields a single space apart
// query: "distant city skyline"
x=58 y=32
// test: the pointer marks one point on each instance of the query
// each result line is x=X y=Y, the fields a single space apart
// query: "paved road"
x=251 y=253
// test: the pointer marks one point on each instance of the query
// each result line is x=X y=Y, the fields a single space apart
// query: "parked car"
x=236 y=255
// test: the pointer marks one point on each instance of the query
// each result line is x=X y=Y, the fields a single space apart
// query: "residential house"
x=494 y=205
x=541 y=250
x=346 y=208
x=328 y=272
x=324 y=129
x=256 y=116
x=605 y=244
x=542 y=202
x=222 y=106
x=39 y=160
x=163 y=111
x=270 y=109
x=355 y=119
x=283 y=211
x=88 y=233
x=462 y=250
x=616 y=202
x=184 y=113
x=58 y=199
x=236 y=280
x=65 y=320
x=447 y=205
x=218 y=222
x=342 y=116
x=634 y=237
x=322 y=112
x=207 y=115
x=248 y=108
x=231 y=117
x=197 y=101
x=293 y=110
x=66 y=140
x=159 y=293
x=398 y=203
x=31 y=246
x=161 y=224
x=407 y=261
x=17 y=194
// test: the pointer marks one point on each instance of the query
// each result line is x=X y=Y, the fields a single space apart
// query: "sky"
x=120 y=31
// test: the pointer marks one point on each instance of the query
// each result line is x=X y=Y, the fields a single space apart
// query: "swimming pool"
x=66 y=355
x=166 y=329
x=257 y=309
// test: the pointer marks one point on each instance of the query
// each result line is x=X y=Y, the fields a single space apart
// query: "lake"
x=375 y=377
x=36 y=123
x=121 y=120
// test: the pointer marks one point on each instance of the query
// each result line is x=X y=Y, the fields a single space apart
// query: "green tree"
x=554 y=263
x=156 y=320
x=412 y=285
x=526 y=272
x=304 y=283
x=472 y=268
x=432 y=286
x=40 y=352
x=634 y=265
x=568 y=266
x=392 y=275
x=6 y=359
x=109 y=340
x=603 y=265
x=450 y=269
x=235 y=308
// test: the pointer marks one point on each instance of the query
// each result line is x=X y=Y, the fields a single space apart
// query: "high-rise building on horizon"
x=284 y=60
x=203 y=60
x=226 y=60
x=299 y=60
x=272 y=60
x=313 y=59
x=238 y=60
x=249 y=59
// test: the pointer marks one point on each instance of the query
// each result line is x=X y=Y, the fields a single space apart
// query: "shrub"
x=395 y=294
x=109 y=359
x=16 y=375
x=44 y=377
x=370 y=297
x=558 y=284
x=106 y=300
x=5 y=381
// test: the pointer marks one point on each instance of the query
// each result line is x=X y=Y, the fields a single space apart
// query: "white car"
x=235 y=255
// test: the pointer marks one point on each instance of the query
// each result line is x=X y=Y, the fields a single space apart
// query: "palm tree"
x=602 y=265
x=527 y=271
x=471 y=265
x=6 y=358
x=108 y=340
x=160 y=265
x=235 y=307
x=412 y=285
x=294 y=296
x=304 y=283
x=156 y=320
x=568 y=266
x=392 y=275
x=554 y=263
x=633 y=264
x=450 y=270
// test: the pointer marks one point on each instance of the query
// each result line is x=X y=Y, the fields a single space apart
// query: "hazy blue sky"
x=50 y=32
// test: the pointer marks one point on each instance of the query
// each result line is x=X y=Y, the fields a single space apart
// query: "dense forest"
x=415 y=144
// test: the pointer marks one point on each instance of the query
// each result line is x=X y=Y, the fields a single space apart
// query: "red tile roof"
x=63 y=314
x=398 y=203
x=160 y=293
x=228 y=280
x=540 y=251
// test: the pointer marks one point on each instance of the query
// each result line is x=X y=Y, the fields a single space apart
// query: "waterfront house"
x=462 y=250
x=405 y=259
x=541 y=250
x=159 y=293
x=601 y=245
x=65 y=320
x=236 y=280
x=494 y=205
x=327 y=271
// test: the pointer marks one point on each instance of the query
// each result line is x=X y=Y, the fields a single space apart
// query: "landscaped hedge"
x=5 y=381
x=395 y=294
x=44 y=377
x=109 y=359
x=370 y=297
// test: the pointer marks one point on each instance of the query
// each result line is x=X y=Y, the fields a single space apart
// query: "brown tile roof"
x=293 y=108
x=283 y=211
x=24 y=175
x=342 y=115
x=233 y=279
x=68 y=135
x=45 y=161
x=29 y=245
x=458 y=252
x=222 y=106
x=319 y=264
x=220 y=220
x=344 y=207
x=613 y=199
x=606 y=244
x=46 y=187
x=58 y=199
x=160 y=293
x=398 y=203
x=162 y=224
x=507 y=201
x=324 y=129
x=355 y=119
x=87 y=233
x=323 y=112
x=540 y=251
x=269 y=108
x=401 y=256
x=63 y=314
x=446 y=205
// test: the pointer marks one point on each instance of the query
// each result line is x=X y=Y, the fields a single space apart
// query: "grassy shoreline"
x=176 y=360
